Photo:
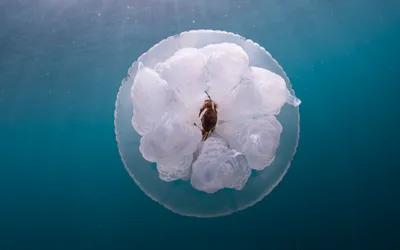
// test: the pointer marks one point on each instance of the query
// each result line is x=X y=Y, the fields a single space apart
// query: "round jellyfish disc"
x=180 y=196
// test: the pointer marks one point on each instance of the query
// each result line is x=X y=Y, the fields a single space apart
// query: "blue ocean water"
x=63 y=185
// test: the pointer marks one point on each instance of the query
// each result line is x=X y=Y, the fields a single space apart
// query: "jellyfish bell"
x=206 y=123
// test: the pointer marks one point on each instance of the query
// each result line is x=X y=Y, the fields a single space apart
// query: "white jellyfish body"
x=157 y=114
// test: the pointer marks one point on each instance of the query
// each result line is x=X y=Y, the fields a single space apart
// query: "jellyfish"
x=207 y=123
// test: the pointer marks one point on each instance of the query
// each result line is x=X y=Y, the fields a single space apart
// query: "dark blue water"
x=63 y=185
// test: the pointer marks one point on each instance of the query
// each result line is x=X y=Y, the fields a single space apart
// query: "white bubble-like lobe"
x=175 y=168
x=158 y=132
x=257 y=138
x=170 y=137
x=218 y=167
x=151 y=96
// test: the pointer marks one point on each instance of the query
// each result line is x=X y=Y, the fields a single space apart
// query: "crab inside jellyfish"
x=161 y=123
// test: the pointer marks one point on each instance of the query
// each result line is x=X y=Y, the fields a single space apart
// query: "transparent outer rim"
x=267 y=191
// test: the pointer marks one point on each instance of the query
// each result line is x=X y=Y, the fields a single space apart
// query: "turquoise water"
x=63 y=185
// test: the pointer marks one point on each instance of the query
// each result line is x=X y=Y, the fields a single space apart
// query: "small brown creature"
x=208 y=115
